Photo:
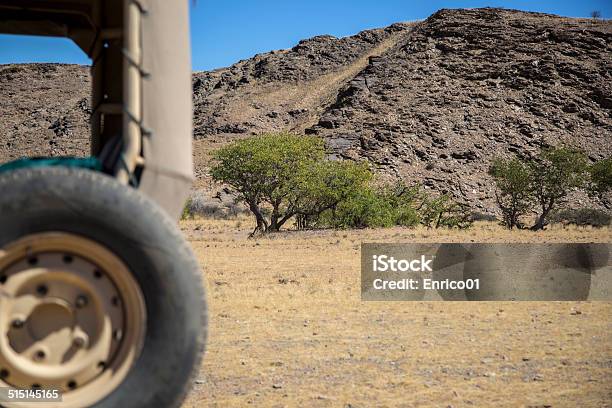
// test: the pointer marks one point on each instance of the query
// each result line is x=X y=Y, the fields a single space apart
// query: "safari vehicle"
x=100 y=296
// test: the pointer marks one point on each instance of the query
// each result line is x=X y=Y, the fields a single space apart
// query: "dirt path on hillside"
x=304 y=95
x=323 y=91
x=288 y=329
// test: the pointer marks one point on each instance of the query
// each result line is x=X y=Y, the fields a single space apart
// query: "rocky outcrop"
x=467 y=85
x=284 y=89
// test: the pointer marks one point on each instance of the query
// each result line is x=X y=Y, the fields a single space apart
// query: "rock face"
x=429 y=102
x=467 y=85
x=44 y=110
x=285 y=89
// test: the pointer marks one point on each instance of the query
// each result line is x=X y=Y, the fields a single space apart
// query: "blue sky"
x=225 y=31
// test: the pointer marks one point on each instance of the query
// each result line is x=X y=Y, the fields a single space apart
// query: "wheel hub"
x=71 y=317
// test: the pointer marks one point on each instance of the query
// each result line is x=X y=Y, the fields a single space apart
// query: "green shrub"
x=370 y=207
x=366 y=208
x=324 y=185
x=404 y=202
x=442 y=211
x=396 y=205
x=187 y=210
x=601 y=176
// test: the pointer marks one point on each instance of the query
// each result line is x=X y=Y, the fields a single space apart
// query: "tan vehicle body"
x=141 y=75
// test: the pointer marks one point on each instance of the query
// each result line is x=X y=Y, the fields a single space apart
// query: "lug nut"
x=79 y=341
x=42 y=290
x=40 y=355
x=17 y=323
x=117 y=334
x=81 y=301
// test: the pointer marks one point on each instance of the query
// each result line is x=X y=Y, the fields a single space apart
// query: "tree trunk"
x=541 y=222
x=262 y=225
x=285 y=219
x=273 y=227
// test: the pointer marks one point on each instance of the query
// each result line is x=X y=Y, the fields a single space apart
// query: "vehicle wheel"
x=100 y=295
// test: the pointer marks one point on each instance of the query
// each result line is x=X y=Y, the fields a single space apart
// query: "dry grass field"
x=288 y=328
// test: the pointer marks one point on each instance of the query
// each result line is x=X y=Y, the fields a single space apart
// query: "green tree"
x=324 y=185
x=265 y=171
x=601 y=177
x=513 y=193
x=556 y=172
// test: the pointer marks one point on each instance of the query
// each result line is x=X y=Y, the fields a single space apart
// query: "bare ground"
x=287 y=328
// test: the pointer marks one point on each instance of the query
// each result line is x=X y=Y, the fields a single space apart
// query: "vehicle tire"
x=100 y=259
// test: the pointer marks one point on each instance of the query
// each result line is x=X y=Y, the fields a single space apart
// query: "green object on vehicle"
x=91 y=163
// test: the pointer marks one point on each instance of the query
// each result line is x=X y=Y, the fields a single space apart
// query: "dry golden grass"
x=288 y=328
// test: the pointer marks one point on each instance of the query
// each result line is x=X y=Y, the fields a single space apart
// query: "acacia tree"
x=601 y=178
x=513 y=193
x=546 y=181
x=556 y=172
x=265 y=170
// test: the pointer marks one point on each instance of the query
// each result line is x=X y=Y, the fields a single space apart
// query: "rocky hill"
x=429 y=102
x=44 y=110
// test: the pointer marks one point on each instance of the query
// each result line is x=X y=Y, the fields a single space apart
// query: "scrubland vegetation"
x=286 y=180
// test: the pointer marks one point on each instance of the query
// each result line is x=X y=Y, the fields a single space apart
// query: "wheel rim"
x=72 y=317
